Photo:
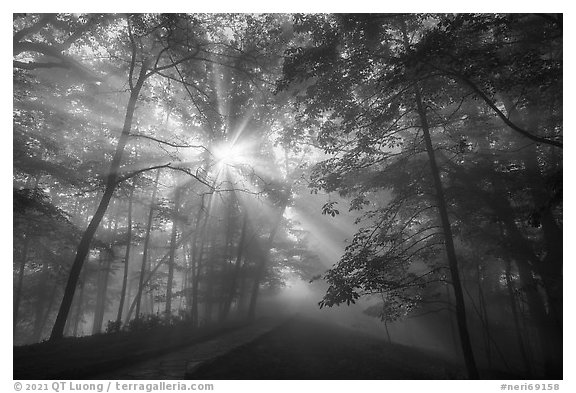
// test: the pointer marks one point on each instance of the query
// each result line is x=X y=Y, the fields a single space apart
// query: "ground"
x=293 y=348
x=308 y=349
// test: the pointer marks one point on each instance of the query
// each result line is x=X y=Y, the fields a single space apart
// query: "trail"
x=280 y=347
x=303 y=348
x=177 y=364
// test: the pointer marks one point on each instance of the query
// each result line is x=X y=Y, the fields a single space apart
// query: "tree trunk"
x=20 y=282
x=126 y=257
x=261 y=267
x=210 y=278
x=151 y=274
x=146 y=244
x=550 y=268
x=97 y=321
x=387 y=332
x=51 y=299
x=172 y=252
x=78 y=314
x=111 y=183
x=40 y=303
x=22 y=267
x=235 y=274
x=453 y=329
x=520 y=340
x=527 y=263
x=450 y=251
x=484 y=315
x=447 y=230
x=102 y=290
x=199 y=259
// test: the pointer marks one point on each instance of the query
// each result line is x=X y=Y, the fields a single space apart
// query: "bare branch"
x=505 y=118
x=175 y=63
x=134 y=173
x=190 y=173
x=33 y=66
x=171 y=144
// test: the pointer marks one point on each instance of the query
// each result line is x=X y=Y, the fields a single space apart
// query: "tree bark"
x=172 y=253
x=152 y=272
x=210 y=281
x=99 y=308
x=450 y=251
x=516 y=318
x=40 y=303
x=447 y=230
x=527 y=263
x=261 y=267
x=20 y=282
x=484 y=314
x=22 y=267
x=236 y=273
x=145 y=249
x=126 y=257
x=78 y=314
x=87 y=236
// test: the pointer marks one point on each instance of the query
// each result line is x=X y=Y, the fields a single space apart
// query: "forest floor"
x=305 y=349
x=270 y=348
x=107 y=354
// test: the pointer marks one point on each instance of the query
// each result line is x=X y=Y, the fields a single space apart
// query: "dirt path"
x=309 y=349
x=176 y=364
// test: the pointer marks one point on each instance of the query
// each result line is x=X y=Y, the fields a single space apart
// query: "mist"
x=287 y=196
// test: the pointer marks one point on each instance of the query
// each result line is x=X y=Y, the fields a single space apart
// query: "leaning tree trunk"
x=447 y=230
x=449 y=244
x=111 y=183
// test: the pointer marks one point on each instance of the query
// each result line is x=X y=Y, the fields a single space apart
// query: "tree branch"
x=189 y=173
x=134 y=173
x=505 y=118
x=133 y=57
x=33 y=66
x=36 y=27
x=51 y=51
x=169 y=143
x=175 y=63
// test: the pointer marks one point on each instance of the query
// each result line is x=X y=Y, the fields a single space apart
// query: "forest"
x=195 y=171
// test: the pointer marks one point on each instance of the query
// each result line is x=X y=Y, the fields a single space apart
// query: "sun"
x=228 y=154
x=232 y=160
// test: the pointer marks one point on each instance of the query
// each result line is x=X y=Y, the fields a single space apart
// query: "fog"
x=283 y=190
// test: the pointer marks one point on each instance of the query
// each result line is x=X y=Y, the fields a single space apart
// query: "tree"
x=382 y=103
